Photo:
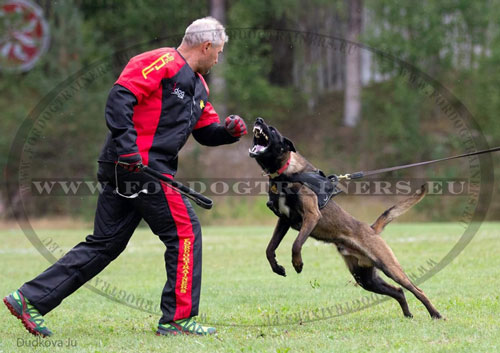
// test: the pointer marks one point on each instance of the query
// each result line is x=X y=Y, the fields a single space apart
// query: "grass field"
x=239 y=288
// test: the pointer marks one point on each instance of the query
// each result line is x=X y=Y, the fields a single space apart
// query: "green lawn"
x=239 y=288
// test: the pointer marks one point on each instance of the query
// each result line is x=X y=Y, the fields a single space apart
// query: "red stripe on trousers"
x=184 y=277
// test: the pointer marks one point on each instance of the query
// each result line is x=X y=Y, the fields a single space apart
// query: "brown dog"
x=299 y=203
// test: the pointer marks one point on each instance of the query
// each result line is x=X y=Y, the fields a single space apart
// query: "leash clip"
x=117 y=190
x=344 y=177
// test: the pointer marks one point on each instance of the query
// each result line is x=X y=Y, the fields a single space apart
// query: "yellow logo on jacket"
x=202 y=104
x=157 y=64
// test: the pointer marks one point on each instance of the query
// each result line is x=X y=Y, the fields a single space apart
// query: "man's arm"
x=213 y=135
x=210 y=132
x=119 y=112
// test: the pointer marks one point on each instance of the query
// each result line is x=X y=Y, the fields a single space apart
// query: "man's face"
x=209 y=57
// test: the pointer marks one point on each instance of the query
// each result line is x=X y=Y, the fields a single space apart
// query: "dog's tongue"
x=258 y=148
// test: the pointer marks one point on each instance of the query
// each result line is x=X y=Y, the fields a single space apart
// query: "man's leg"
x=115 y=222
x=172 y=218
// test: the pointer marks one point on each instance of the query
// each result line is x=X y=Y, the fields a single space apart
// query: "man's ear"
x=206 y=46
x=290 y=145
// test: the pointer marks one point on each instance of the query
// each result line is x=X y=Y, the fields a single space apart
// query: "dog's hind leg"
x=387 y=262
x=368 y=278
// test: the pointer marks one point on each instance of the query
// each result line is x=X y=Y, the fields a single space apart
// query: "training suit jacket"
x=155 y=104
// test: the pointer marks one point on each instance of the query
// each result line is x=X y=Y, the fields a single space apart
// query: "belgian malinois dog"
x=363 y=249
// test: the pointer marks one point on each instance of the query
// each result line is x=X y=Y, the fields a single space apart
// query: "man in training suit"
x=159 y=99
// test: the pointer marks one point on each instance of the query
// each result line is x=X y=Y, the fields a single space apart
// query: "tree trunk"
x=282 y=56
x=217 y=80
x=352 y=100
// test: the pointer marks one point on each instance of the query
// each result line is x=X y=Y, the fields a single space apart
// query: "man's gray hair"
x=205 y=29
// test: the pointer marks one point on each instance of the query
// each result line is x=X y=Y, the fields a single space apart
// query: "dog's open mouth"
x=260 y=141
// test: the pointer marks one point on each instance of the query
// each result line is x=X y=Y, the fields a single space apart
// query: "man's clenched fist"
x=235 y=126
x=131 y=162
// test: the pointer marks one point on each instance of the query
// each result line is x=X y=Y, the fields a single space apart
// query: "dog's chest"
x=282 y=206
x=285 y=204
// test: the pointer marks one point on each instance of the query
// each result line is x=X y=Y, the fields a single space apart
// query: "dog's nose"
x=259 y=120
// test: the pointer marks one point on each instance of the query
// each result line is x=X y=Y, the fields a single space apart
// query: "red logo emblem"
x=25 y=35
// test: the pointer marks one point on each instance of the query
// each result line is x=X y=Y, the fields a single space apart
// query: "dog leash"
x=363 y=174
x=198 y=198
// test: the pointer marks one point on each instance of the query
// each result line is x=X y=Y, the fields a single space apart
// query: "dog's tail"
x=397 y=210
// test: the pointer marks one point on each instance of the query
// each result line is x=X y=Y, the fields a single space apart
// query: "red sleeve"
x=208 y=117
x=144 y=72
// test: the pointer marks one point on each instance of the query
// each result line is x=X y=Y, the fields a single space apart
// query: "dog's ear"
x=289 y=143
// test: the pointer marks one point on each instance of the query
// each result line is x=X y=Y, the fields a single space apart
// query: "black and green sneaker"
x=21 y=308
x=184 y=327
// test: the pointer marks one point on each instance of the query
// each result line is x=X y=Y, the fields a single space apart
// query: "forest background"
x=346 y=107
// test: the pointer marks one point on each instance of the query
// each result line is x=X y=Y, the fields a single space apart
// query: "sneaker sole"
x=27 y=325
x=172 y=333
x=161 y=332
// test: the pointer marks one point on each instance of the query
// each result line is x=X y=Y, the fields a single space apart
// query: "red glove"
x=235 y=126
x=131 y=162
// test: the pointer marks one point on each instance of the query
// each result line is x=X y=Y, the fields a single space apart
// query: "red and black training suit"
x=155 y=104
x=167 y=103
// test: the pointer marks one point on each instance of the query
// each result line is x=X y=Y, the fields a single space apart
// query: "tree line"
x=349 y=109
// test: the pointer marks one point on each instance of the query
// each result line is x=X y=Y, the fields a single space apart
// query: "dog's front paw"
x=297 y=265
x=280 y=270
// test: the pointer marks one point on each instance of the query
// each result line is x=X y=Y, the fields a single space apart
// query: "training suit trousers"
x=169 y=215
